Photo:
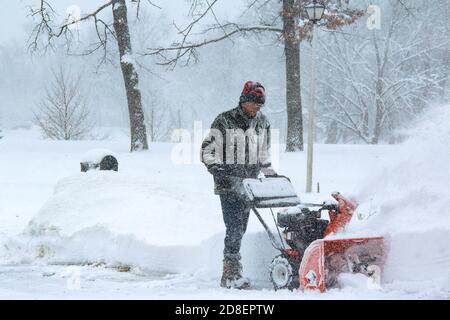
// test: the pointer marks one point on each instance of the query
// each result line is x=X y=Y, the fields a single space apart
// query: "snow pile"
x=105 y=216
x=408 y=202
x=124 y=205
x=115 y=219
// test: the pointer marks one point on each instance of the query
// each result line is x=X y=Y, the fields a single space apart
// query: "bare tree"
x=63 y=113
x=286 y=19
x=156 y=118
x=118 y=30
x=378 y=80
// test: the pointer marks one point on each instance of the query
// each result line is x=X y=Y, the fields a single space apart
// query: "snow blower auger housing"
x=306 y=259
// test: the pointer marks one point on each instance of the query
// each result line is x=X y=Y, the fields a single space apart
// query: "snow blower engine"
x=306 y=259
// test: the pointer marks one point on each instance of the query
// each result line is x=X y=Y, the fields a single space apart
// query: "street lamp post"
x=315 y=12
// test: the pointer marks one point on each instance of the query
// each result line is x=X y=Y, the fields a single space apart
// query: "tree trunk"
x=130 y=77
x=332 y=133
x=152 y=123
x=294 y=141
x=379 y=112
x=446 y=82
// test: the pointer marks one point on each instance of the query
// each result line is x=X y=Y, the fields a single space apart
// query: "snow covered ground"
x=154 y=229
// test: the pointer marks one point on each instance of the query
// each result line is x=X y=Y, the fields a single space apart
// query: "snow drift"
x=126 y=205
x=109 y=217
x=120 y=220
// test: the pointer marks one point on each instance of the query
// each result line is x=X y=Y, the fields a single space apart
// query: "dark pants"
x=235 y=215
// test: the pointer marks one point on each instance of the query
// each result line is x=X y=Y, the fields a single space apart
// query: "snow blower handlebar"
x=278 y=192
x=269 y=232
x=340 y=213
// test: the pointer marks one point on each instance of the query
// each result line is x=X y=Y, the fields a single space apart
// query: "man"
x=236 y=148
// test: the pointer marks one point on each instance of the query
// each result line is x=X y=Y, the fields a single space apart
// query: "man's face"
x=251 y=108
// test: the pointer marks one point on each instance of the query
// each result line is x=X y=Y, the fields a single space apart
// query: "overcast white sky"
x=13 y=13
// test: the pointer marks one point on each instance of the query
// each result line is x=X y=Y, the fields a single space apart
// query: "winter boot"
x=232 y=273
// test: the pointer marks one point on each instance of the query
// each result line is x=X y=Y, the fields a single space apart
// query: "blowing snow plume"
x=408 y=201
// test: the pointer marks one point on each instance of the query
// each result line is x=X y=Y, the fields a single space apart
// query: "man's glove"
x=217 y=170
x=269 y=172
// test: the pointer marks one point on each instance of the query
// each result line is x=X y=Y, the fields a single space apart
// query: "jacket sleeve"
x=211 y=153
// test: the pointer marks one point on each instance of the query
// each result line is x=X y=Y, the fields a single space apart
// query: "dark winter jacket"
x=236 y=147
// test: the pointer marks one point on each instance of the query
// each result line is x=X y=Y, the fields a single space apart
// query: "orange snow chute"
x=324 y=260
x=340 y=218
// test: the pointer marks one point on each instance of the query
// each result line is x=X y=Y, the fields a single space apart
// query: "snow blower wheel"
x=282 y=274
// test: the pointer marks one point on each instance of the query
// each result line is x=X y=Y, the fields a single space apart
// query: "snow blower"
x=307 y=259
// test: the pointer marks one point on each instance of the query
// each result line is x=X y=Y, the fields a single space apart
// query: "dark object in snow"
x=108 y=162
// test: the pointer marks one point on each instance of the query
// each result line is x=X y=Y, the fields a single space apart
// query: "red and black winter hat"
x=253 y=92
